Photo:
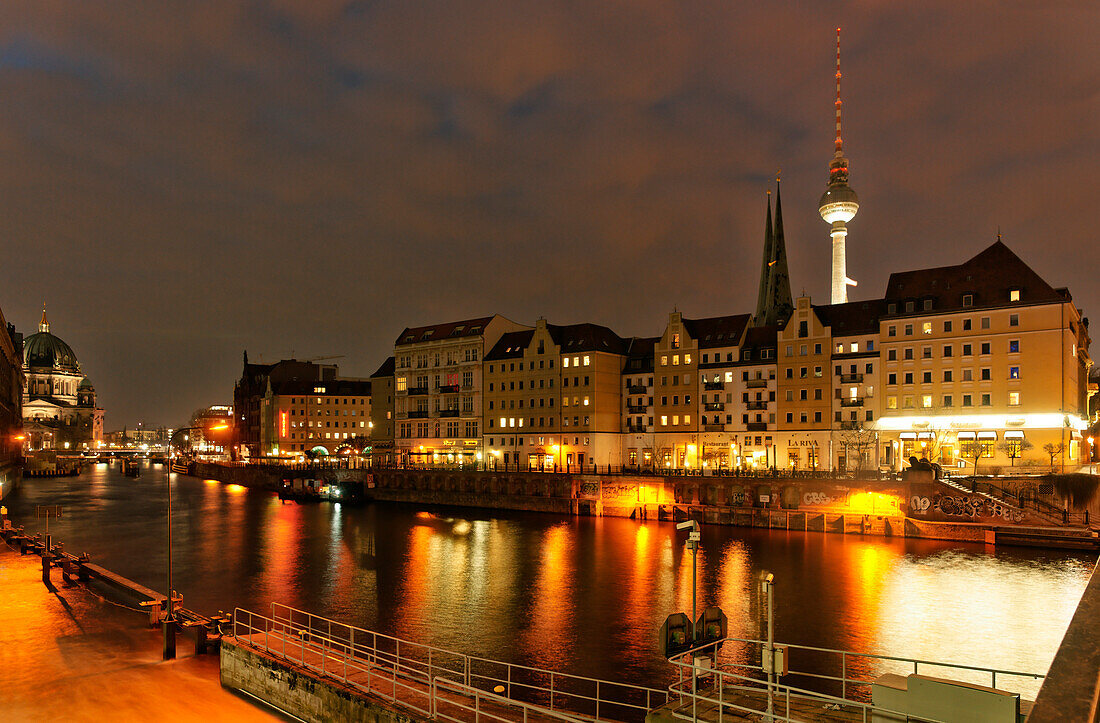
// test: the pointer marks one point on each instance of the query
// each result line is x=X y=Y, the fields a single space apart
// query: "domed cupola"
x=45 y=351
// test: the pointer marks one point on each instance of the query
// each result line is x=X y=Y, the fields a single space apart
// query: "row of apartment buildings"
x=983 y=360
x=979 y=361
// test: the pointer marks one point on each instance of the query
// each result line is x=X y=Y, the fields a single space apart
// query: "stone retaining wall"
x=293 y=690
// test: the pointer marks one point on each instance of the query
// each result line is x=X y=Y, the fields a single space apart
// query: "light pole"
x=168 y=625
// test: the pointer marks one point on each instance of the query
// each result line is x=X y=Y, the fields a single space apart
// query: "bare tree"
x=1014 y=448
x=1053 y=449
x=858 y=442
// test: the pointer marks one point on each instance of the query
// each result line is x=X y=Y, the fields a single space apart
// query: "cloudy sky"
x=180 y=181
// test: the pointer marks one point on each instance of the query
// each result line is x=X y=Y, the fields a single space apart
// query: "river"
x=584 y=595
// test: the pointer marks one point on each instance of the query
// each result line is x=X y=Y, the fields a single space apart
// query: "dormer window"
x=908 y=307
x=928 y=305
x=968 y=299
x=1013 y=294
x=891 y=308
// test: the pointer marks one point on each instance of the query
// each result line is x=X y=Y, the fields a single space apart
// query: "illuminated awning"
x=908 y=435
x=966 y=435
x=987 y=435
x=1014 y=434
x=926 y=435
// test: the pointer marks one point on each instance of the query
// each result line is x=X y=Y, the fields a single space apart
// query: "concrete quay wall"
x=10 y=476
x=295 y=691
x=916 y=507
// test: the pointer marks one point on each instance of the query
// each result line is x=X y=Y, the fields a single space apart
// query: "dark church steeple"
x=774 y=304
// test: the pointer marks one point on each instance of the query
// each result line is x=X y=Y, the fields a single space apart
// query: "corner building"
x=984 y=362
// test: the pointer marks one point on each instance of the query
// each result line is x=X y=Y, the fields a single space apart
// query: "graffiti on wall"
x=964 y=506
x=820 y=498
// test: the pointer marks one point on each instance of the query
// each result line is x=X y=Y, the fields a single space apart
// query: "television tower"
x=839 y=203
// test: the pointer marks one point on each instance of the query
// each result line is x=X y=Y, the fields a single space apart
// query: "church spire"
x=773 y=303
x=764 y=292
x=781 y=303
x=44 y=325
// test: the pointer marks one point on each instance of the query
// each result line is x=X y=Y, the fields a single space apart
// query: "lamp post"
x=168 y=624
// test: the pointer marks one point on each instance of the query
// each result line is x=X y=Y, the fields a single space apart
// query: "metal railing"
x=434 y=681
x=749 y=681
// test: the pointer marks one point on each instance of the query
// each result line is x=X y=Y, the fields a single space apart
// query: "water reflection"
x=579 y=593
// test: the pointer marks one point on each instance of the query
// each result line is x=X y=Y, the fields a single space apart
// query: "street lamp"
x=168 y=625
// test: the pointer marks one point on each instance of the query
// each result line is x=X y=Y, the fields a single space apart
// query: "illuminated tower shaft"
x=839 y=285
x=839 y=204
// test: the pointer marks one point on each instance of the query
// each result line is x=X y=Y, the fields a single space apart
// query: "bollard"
x=169 y=628
x=45 y=568
x=200 y=640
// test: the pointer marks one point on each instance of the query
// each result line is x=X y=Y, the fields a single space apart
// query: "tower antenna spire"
x=839 y=141
x=839 y=203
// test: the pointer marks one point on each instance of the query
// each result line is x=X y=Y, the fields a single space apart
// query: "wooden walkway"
x=447 y=699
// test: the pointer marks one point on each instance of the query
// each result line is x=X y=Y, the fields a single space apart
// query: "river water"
x=583 y=595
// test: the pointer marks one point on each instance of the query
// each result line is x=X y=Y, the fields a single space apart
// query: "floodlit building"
x=438 y=390
x=553 y=398
x=983 y=361
x=255 y=384
x=59 y=403
x=381 y=413
x=325 y=417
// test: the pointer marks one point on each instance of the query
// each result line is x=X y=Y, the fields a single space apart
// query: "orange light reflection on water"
x=552 y=609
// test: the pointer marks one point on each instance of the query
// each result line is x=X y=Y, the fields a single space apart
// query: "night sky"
x=180 y=181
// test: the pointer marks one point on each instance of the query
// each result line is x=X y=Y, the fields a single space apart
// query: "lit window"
x=687 y=358
x=664 y=360
x=1014 y=346
x=1013 y=399
x=664 y=420
x=565 y=361
x=503 y=422
x=926 y=327
x=926 y=401
x=1014 y=372
x=576 y=361
x=687 y=419
x=586 y=360
x=586 y=401
x=675 y=360
x=675 y=419
x=854 y=347
x=1014 y=295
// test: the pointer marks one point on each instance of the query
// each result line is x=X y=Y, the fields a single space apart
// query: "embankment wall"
x=296 y=692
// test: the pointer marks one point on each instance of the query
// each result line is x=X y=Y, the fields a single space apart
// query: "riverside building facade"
x=438 y=390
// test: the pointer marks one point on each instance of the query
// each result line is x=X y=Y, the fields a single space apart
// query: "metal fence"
x=742 y=687
x=434 y=681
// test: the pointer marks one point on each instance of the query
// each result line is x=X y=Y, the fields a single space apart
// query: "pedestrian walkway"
x=69 y=655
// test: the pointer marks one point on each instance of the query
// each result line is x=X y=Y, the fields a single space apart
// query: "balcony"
x=849 y=424
x=857 y=402
x=714 y=406
x=418 y=414
x=635 y=427
x=634 y=409
x=713 y=386
x=756 y=405
x=714 y=427
x=448 y=389
x=756 y=383
x=851 y=378
x=448 y=412
x=415 y=391
x=636 y=389
x=757 y=426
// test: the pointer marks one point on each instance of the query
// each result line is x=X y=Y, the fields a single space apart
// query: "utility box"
x=775 y=663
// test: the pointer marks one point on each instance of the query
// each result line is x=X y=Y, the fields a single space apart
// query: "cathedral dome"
x=85 y=383
x=46 y=350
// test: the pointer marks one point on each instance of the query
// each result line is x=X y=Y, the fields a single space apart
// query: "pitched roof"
x=987 y=277
x=386 y=370
x=510 y=345
x=761 y=337
x=718 y=330
x=436 y=332
x=854 y=317
x=586 y=337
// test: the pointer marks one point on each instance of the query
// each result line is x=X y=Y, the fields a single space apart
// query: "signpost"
x=45 y=512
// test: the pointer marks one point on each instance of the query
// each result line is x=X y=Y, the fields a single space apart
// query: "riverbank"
x=917 y=507
x=69 y=654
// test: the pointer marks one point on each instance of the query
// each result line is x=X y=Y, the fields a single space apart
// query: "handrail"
x=775 y=693
x=544 y=691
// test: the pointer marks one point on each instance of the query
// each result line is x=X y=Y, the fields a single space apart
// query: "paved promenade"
x=68 y=655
